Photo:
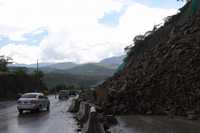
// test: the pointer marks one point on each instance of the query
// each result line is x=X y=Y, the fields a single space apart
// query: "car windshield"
x=63 y=92
x=29 y=96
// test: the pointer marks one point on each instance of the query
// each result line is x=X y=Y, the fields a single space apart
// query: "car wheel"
x=40 y=108
x=48 y=108
x=37 y=109
x=20 y=111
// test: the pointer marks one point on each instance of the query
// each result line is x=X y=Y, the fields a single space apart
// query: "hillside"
x=62 y=66
x=161 y=72
x=84 y=75
x=84 y=81
x=91 y=69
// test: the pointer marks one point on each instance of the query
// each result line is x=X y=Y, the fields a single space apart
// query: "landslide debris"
x=161 y=74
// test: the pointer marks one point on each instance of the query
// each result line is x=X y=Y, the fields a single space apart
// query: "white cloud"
x=21 y=53
x=74 y=31
x=139 y=19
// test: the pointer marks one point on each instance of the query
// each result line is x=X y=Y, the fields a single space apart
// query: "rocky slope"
x=161 y=74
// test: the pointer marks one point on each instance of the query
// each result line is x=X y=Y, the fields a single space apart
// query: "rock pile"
x=164 y=78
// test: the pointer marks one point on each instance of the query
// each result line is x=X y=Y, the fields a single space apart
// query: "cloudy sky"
x=75 y=30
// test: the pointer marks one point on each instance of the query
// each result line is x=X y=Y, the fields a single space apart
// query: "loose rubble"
x=164 y=78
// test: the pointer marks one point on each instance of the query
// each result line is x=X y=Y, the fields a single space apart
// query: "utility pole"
x=37 y=65
x=37 y=77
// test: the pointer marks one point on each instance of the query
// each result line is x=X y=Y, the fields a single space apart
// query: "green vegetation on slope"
x=84 y=81
x=91 y=69
x=17 y=80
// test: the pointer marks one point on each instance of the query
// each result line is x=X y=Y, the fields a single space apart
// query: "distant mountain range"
x=68 y=72
x=112 y=62
x=63 y=65
x=31 y=65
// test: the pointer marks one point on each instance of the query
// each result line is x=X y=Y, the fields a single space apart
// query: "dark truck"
x=63 y=94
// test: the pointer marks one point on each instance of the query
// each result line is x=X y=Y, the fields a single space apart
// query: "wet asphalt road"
x=157 y=124
x=58 y=120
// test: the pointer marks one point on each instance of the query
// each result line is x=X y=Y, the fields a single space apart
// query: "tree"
x=20 y=71
x=4 y=61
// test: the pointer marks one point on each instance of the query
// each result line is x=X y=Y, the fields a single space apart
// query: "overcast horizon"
x=55 y=62
x=76 y=31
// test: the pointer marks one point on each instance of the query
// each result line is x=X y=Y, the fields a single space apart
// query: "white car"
x=33 y=102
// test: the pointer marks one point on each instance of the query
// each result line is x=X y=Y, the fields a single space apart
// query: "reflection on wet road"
x=157 y=124
x=58 y=120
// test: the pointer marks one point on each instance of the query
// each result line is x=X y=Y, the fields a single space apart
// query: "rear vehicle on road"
x=73 y=92
x=63 y=94
x=33 y=102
